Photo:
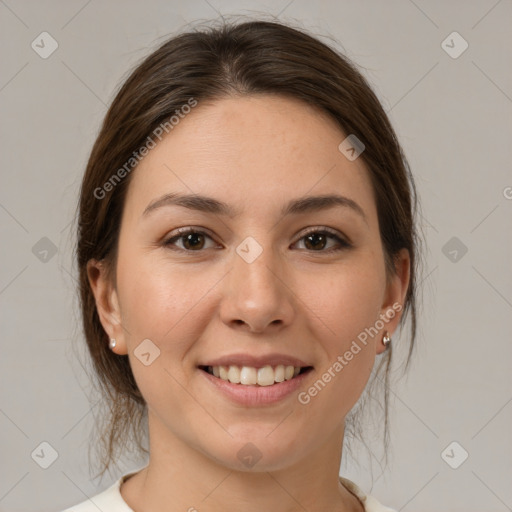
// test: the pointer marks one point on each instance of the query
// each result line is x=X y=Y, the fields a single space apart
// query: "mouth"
x=256 y=376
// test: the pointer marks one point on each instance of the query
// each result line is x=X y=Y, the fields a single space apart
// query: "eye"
x=192 y=239
x=316 y=240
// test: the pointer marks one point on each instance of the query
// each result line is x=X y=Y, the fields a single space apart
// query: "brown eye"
x=191 y=240
x=315 y=241
x=318 y=240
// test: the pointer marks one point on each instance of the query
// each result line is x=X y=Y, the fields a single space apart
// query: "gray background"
x=453 y=116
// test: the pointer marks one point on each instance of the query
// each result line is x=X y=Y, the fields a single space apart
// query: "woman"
x=246 y=249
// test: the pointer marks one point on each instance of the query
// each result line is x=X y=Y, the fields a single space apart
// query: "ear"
x=107 y=303
x=394 y=297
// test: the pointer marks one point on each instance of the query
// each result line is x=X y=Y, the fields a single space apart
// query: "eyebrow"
x=306 y=204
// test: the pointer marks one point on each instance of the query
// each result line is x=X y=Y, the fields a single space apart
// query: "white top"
x=111 y=500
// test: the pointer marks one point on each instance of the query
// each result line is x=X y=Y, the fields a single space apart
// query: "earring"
x=386 y=340
x=112 y=343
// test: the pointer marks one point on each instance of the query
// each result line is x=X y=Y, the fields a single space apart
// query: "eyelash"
x=344 y=244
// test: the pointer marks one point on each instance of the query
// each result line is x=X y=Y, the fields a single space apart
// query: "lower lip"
x=256 y=395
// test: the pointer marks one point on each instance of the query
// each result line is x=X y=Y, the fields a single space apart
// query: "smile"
x=252 y=376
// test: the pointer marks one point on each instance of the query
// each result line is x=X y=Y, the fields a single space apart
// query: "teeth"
x=279 y=373
x=266 y=376
x=223 y=372
x=234 y=374
x=250 y=376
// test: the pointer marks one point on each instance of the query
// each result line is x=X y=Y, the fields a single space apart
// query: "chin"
x=258 y=452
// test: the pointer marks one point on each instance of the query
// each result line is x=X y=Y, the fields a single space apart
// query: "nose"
x=256 y=296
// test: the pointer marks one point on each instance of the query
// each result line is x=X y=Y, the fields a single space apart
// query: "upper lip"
x=256 y=361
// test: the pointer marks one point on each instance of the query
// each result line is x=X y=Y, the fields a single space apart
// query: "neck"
x=181 y=478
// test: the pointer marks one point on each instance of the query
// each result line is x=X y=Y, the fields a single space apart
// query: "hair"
x=231 y=60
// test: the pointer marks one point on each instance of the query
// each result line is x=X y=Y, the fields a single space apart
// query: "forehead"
x=246 y=149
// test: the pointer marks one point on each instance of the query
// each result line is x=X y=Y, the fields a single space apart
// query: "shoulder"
x=110 y=499
x=369 y=502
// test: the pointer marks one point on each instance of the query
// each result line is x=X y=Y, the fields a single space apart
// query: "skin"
x=199 y=301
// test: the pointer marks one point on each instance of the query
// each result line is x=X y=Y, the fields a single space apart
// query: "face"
x=259 y=275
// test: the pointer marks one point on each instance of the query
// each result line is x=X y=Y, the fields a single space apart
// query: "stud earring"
x=112 y=343
x=386 y=340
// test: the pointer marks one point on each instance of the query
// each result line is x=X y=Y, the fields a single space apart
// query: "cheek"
x=162 y=303
x=350 y=306
x=165 y=307
x=346 y=301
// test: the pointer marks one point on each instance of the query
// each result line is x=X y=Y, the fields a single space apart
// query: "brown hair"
x=256 y=57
